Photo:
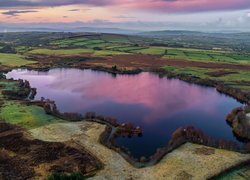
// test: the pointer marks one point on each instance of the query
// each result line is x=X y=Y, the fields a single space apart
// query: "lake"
x=158 y=105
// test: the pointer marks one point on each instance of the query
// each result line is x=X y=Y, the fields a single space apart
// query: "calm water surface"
x=158 y=105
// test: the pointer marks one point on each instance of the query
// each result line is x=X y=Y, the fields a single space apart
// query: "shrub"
x=73 y=176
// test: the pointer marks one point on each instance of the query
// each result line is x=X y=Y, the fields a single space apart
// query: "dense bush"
x=73 y=176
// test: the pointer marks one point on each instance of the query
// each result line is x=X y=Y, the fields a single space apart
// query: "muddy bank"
x=23 y=157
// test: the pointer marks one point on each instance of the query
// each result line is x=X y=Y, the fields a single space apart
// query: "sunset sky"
x=203 y=12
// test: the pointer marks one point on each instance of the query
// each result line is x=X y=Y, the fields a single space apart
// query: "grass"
x=198 y=72
x=61 y=51
x=26 y=116
x=76 y=52
x=13 y=60
x=112 y=44
x=151 y=50
x=208 y=56
x=8 y=85
x=115 y=38
x=108 y=53
x=237 y=79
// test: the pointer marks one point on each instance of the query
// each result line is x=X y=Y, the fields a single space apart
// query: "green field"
x=61 y=51
x=127 y=44
x=17 y=113
x=198 y=72
x=25 y=116
x=208 y=56
x=13 y=60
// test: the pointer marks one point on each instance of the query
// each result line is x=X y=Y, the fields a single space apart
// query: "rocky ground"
x=190 y=161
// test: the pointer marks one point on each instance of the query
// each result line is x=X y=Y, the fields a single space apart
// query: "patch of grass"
x=239 y=79
x=151 y=50
x=115 y=38
x=198 y=72
x=208 y=56
x=128 y=48
x=26 y=116
x=8 y=85
x=13 y=60
x=61 y=51
x=108 y=53
x=68 y=42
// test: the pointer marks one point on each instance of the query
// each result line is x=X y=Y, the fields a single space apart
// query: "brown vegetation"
x=22 y=157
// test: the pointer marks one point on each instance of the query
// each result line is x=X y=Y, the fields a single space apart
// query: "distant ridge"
x=67 y=29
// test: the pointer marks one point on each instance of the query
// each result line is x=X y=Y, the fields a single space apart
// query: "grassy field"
x=76 y=52
x=127 y=44
x=195 y=54
x=16 y=113
x=13 y=60
x=208 y=56
x=198 y=72
x=237 y=79
x=61 y=51
x=25 y=116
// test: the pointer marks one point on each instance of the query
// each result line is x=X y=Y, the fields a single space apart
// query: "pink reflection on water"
x=85 y=89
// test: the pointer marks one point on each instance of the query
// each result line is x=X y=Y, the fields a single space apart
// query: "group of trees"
x=8 y=49
x=190 y=134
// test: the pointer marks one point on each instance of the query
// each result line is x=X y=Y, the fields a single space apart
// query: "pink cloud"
x=171 y=6
x=174 y=6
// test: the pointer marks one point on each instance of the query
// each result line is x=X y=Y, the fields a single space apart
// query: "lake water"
x=158 y=105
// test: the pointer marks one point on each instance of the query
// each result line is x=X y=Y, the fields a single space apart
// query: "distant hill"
x=228 y=34
x=67 y=29
x=236 y=41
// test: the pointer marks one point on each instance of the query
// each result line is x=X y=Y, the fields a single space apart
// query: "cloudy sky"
x=157 y=13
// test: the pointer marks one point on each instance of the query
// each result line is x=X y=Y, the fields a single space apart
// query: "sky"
x=130 y=14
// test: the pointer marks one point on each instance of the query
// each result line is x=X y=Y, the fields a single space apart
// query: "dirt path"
x=187 y=162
